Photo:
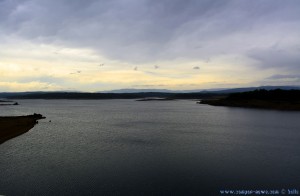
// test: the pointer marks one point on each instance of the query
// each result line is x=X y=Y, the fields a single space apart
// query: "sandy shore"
x=11 y=127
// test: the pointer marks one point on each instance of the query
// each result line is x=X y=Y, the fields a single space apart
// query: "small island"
x=273 y=99
x=13 y=126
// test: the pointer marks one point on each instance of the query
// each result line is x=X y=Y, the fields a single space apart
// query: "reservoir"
x=126 y=147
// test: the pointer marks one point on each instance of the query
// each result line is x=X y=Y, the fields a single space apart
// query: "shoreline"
x=13 y=126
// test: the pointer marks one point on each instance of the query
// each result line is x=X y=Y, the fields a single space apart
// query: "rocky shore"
x=13 y=126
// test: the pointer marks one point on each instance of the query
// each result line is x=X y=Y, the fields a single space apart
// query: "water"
x=124 y=147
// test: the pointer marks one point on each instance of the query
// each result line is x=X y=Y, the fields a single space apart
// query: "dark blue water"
x=124 y=147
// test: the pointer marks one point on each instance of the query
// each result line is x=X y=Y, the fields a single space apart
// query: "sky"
x=97 y=45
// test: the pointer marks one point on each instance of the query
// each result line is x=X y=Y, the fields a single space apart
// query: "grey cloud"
x=287 y=59
x=146 y=30
x=196 y=67
x=279 y=77
x=279 y=80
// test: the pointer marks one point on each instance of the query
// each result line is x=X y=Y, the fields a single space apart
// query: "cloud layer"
x=262 y=35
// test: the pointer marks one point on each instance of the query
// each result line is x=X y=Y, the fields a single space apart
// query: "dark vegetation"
x=272 y=99
x=278 y=94
x=66 y=95
x=11 y=127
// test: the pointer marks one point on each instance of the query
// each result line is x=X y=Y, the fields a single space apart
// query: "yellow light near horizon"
x=79 y=69
x=30 y=86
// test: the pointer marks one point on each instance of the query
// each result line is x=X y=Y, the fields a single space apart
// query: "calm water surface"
x=124 y=147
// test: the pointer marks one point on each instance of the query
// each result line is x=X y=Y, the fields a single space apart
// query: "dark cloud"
x=196 y=67
x=146 y=30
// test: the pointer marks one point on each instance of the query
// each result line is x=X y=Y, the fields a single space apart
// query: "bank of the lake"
x=13 y=126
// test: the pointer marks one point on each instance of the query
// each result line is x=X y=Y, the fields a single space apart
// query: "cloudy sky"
x=94 y=45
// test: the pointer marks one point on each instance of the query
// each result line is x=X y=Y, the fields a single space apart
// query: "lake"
x=126 y=147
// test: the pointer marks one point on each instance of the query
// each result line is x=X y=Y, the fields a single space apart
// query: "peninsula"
x=273 y=99
x=11 y=127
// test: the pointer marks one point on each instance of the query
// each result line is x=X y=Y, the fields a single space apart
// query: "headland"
x=12 y=126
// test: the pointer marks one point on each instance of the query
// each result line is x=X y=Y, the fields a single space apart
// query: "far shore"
x=262 y=104
x=12 y=126
x=7 y=102
x=156 y=99
x=273 y=99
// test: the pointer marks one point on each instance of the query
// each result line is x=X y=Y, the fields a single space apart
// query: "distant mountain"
x=133 y=90
x=215 y=90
